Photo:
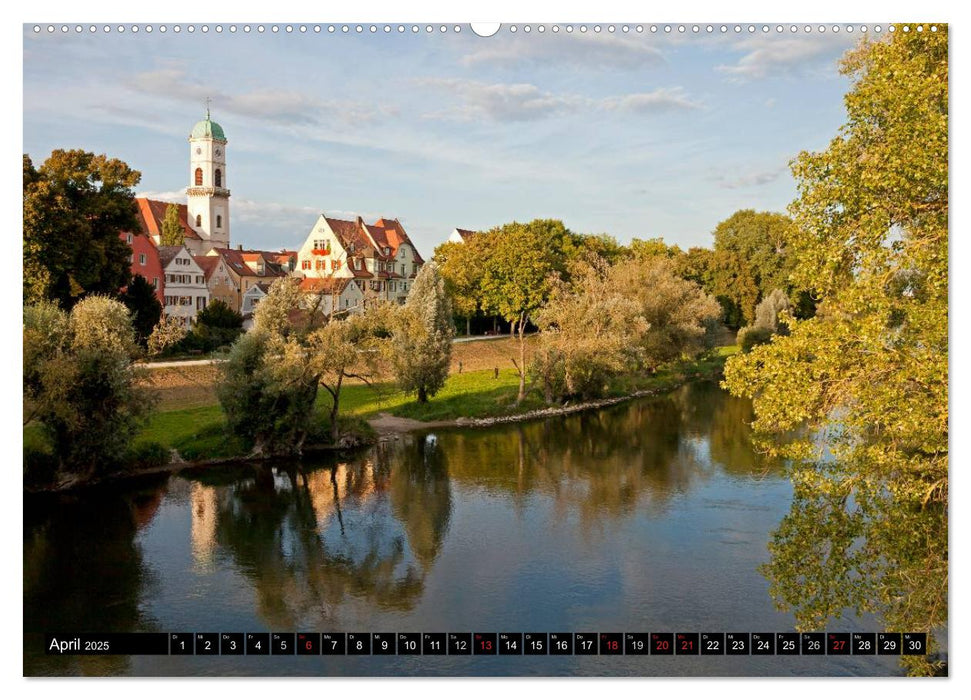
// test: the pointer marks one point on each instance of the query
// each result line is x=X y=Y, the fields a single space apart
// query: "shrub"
x=750 y=336
x=147 y=455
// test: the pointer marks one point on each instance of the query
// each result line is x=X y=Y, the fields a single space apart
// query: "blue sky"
x=635 y=134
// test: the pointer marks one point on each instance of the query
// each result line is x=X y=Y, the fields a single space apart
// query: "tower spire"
x=208 y=101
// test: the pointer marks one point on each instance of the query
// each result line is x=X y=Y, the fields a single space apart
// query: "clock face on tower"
x=198 y=151
x=219 y=152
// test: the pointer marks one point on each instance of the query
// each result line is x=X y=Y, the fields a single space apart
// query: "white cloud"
x=589 y=50
x=499 y=101
x=660 y=100
x=770 y=55
x=289 y=107
x=740 y=179
x=503 y=102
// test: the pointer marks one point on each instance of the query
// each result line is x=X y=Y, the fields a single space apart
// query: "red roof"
x=394 y=236
x=151 y=213
x=351 y=234
x=208 y=263
x=329 y=285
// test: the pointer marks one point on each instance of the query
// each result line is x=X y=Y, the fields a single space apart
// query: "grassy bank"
x=199 y=432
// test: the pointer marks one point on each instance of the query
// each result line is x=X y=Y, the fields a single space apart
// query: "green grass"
x=200 y=433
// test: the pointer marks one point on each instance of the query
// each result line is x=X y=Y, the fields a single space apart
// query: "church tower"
x=208 y=193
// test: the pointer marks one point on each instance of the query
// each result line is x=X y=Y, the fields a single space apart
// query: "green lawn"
x=199 y=433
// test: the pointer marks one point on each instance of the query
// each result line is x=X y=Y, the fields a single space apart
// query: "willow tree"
x=868 y=526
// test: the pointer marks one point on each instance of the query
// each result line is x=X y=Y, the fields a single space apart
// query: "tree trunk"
x=468 y=322
x=522 y=358
x=336 y=396
x=422 y=395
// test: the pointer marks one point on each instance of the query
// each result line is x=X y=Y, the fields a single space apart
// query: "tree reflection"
x=84 y=572
x=309 y=539
x=638 y=455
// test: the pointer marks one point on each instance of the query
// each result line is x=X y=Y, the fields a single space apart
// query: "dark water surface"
x=649 y=516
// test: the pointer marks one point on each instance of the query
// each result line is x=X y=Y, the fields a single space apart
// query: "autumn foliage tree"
x=868 y=527
x=590 y=332
x=76 y=206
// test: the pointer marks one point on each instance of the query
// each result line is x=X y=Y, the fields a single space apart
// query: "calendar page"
x=363 y=349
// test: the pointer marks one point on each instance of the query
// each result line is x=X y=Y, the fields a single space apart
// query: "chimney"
x=239 y=246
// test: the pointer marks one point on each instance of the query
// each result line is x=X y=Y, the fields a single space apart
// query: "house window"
x=219 y=218
x=198 y=177
x=305 y=265
x=219 y=177
x=141 y=258
x=198 y=220
x=128 y=237
x=155 y=282
x=200 y=303
x=402 y=268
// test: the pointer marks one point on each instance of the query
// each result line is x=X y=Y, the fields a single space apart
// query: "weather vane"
x=208 y=102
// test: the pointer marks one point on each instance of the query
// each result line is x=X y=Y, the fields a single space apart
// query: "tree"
x=590 y=331
x=868 y=527
x=521 y=269
x=269 y=383
x=751 y=259
x=172 y=232
x=349 y=348
x=461 y=265
x=217 y=325
x=652 y=247
x=770 y=309
x=80 y=384
x=146 y=310
x=681 y=318
x=76 y=206
x=166 y=333
x=422 y=338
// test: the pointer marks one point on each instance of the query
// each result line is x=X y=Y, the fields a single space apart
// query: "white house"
x=381 y=257
x=460 y=235
x=186 y=292
x=340 y=295
x=251 y=297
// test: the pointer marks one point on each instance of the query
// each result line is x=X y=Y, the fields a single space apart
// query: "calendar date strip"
x=488 y=644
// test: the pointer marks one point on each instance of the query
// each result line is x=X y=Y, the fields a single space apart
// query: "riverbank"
x=197 y=436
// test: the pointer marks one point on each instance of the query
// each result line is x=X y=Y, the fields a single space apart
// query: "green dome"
x=207 y=129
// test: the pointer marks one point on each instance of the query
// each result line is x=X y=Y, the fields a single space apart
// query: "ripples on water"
x=649 y=516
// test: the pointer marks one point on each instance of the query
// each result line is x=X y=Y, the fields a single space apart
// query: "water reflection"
x=83 y=571
x=308 y=546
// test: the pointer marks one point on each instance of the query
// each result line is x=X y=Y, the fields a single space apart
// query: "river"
x=648 y=516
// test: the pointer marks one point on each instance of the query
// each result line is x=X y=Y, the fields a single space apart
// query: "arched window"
x=198 y=220
x=219 y=177
x=219 y=218
x=198 y=177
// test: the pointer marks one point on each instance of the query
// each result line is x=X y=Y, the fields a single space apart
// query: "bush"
x=750 y=336
x=40 y=467
x=147 y=455
x=79 y=382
